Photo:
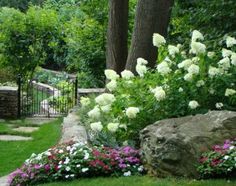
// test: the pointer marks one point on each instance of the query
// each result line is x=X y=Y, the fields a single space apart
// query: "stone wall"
x=8 y=102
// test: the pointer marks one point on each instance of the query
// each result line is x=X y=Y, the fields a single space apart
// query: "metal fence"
x=38 y=99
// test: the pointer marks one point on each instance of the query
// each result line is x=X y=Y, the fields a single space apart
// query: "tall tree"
x=152 y=16
x=117 y=35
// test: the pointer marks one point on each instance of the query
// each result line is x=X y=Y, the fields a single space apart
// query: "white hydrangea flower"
x=173 y=50
x=200 y=83
x=230 y=41
x=195 y=59
x=141 y=61
x=105 y=99
x=106 y=108
x=84 y=101
x=211 y=54
x=219 y=105
x=131 y=112
x=193 y=104
x=211 y=91
x=111 y=86
x=123 y=126
x=196 y=35
x=163 y=68
x=229 y=92
x=158 y=40
x=224 y=63
x=226 y=53
x=180 y=89
x=85 y=169
x=112 y=127
x=213 y=71
x=188 y=77
x=233 y=59
x=197 y=48
x=126 y=74
x=96 y=127
x=183 y=54
x=194 y=69
x=141 y=68
x=128 y=173
x=185 y=64
x=159 y=93
x=111 y=74
x=179 y=46
x=68 y=168
x=94 y=113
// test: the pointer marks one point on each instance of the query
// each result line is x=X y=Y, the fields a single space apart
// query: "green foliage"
x=183 y=84
x=20 y=4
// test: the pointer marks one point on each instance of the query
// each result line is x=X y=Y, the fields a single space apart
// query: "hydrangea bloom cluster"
x=75 y=160
x=220 y=162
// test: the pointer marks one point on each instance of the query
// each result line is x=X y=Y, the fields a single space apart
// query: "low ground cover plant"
x=183 y=83
x=76 y=160
x=220 y=162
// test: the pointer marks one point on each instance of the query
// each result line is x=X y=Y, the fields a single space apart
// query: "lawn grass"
x=142 y=181
x=13 y=153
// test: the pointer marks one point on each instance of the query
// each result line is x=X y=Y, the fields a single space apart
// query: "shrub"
x=184 y=83
x=75 y=160
x=220 y=162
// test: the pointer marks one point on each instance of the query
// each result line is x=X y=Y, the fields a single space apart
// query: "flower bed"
x=74 y=160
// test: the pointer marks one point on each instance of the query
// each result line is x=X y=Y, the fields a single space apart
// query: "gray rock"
x=172 y=147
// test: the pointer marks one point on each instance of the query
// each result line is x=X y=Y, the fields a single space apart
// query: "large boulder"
x=172 y=147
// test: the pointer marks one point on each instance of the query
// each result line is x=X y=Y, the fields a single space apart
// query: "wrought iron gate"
x=37 y=99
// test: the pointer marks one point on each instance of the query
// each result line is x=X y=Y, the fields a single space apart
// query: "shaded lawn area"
x=142 y=181
x=14 y=153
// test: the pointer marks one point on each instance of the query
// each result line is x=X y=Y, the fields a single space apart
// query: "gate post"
x=76 y=90
x=19 y=96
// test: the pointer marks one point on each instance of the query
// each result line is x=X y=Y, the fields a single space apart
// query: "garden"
x=159 y=106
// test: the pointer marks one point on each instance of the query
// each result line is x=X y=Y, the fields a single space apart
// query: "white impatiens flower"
x=188 y=77
x=126 y=74
x=224 y=63
x=84 y=101
x=105 y=99
x=200 y=83
x=158 y=40
x=180 y=89
x=213 y=71
x=85 y=169
x=211 y=54
x=112 y=127
x=159 y=93
x=111 y=86
x=131 y=112
x=94 y=113
x=163 y=68
x=226 y=53
x=194 y=69
x=141 y=68
x=196 y=35
x=111 y=74
x=219 y=105
x=230 y=41
x=96 y=127
x=233 y=59
x=106 y=108
x=68 y=168
x=229 y=92
x=173 y=50
x=197 y=48
x=193 y=104
x=185 y=64
x=128 y=173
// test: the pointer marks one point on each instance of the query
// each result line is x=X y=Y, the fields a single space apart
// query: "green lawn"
x=13 y=154
x=142 y=181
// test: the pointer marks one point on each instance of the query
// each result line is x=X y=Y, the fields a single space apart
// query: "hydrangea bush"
x=183 y=83
x=220 y=162
x=75 y=160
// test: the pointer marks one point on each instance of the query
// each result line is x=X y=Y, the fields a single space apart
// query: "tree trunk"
x=117 y=49
x=152 y=16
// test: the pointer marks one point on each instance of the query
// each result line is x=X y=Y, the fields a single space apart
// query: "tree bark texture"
x=152 y=16
x=117 y=49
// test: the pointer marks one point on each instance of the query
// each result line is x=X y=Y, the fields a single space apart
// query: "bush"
x=184 y=83
x=220 y=162
x=76 y=160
